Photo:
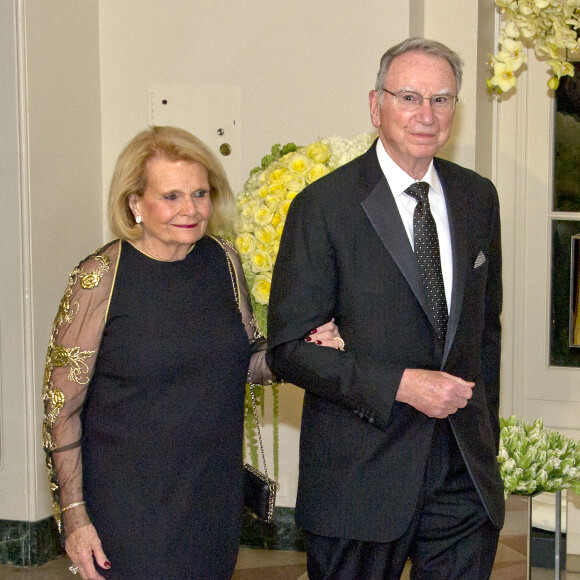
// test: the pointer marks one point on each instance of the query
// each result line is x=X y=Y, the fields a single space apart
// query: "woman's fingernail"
x=107 y=565
x=314 y=331
x=318 y=342
x=308 y=339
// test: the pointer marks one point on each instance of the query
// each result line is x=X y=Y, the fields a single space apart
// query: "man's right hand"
x=434 y=393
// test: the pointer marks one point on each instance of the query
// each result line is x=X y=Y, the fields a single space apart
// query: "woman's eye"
x=170 y=196
x=201 y=193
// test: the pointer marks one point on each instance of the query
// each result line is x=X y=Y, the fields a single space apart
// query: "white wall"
x=304 y=69
x=12 y=399
x=51 y=214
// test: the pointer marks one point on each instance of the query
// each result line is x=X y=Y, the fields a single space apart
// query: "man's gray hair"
x=431 y=47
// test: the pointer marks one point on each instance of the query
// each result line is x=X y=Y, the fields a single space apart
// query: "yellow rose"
x=276 y=219
x=295 y=182
x=266 y=235
x=263 y=215
x=299 y=163
x=261 y=288
x=261 y=262
x=291 y=195
x=319 y=152
x=279 y=230
x=278 y=190
x=277 y=175
x=284 y=208
x=286 y=159
x=317 y=171
x=262 y=191
x=245 y=242
x=248 y=209
x=243 y=225
x=272 y=201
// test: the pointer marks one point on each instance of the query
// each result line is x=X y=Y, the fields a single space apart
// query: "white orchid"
x=550 y=27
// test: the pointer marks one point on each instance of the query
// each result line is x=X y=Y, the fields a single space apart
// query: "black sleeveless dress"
x=163 y=419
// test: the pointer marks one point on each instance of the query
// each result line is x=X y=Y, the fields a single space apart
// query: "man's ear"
x=374 y=108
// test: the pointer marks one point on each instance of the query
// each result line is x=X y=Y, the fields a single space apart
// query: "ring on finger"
x=74 y=569
x=340 y=342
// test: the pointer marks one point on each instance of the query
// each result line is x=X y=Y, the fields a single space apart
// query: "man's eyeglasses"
x=411 y=101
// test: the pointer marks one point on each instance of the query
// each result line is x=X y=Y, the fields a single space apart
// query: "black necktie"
x=427 y=253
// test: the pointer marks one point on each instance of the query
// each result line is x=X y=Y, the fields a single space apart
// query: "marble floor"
x=254 y=564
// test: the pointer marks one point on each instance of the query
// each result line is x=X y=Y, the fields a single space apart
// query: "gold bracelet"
x=70 y=506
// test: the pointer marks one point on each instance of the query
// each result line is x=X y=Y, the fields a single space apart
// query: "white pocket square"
x=480 y=260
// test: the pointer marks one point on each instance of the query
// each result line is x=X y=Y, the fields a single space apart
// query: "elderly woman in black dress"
x=145 y=374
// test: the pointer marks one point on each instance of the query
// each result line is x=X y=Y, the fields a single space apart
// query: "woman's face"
x=175 y=207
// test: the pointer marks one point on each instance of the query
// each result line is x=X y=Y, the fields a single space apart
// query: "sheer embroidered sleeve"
x=70 y=360
x=259 y=372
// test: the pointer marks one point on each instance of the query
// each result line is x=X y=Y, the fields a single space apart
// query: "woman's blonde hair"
x=130 y=178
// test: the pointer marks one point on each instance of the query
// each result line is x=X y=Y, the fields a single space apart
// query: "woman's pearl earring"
x=138 y=219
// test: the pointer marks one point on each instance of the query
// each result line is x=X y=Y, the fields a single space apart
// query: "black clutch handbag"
x=259 y=493
x=259 y=489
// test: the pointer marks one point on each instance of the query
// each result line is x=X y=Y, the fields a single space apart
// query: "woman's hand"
x=81 y=545
x=327 y=335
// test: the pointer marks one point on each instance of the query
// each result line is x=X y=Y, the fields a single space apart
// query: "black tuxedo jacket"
x=345 y=254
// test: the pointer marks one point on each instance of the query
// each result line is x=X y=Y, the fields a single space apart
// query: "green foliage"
x=276 y=153
x=250 y=433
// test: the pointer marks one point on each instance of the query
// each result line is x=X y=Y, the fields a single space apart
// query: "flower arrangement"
x=267 y=195
x=262 y=206
x=534 y=459
x=549 y=26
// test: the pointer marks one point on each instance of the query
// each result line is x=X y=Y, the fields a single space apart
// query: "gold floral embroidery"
x=46 y=436
x=92 y=279
x=56 y=397
x=66 y=313
x=73 y=357
x=59 y=356
x=57 y=515
x=47 y=374
x=54 y=401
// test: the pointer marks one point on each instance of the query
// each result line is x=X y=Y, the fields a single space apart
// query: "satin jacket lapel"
x=455 y=195
x=382 y=211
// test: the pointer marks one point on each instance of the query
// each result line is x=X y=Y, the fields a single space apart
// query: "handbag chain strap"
x=223 y=242
x=257 y=425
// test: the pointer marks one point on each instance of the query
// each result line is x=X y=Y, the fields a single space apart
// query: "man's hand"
x=434 y=393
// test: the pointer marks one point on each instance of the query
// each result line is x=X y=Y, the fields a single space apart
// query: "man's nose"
x=425 y=111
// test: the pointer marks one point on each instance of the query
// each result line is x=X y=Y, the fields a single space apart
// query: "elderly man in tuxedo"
x=400 y=429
